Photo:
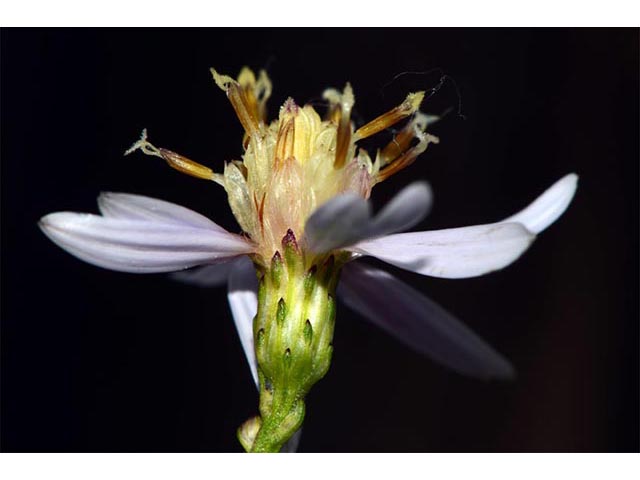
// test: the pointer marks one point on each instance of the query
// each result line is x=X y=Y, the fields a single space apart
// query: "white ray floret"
x=419 y=323
x=151 y=245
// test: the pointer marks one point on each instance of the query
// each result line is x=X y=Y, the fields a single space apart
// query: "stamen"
x=408 y=157
x=393 y=116
x=259 y=206
x=256 y=92
x=340 y=113
x=185 y=165
x=247 y=81
x=343 y=140
x=246 y=110
x=402 y=141
x=175 y=160
x=285 y=141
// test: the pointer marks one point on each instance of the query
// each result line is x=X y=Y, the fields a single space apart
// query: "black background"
x=94 y=360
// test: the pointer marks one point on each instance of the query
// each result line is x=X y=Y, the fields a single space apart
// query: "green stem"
x=293 y=331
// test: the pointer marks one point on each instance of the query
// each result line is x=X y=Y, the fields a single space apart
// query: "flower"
x=300 y=195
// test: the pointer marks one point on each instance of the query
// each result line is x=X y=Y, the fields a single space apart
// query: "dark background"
x=94 y=360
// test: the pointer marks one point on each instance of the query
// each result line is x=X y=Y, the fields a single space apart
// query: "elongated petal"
x=127 y=206
x=339 y=222
x=346 y=219
x=209 y=276
x=140 y=246
x=452 y=253
x=549 y=206
x=405 y=210
x=419 y=323
x=243 y=300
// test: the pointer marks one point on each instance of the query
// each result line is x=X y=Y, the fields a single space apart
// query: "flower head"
x=299 y=193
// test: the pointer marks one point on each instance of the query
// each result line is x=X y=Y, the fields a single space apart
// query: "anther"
x=246 y=110
x=175 y=160
x=402 y=141
x=393 y=116
x=408 y=157
x=341 y=105
x=285 y=141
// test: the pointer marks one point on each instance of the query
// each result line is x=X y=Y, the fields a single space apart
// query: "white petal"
x=215 y=275
x=140 y=246
x=346 y=219
x=137 y=207
x=243 y=300
x=452 y=253
x=404 y=210
x=419 y=323
x=549 y=206
x=339 y=222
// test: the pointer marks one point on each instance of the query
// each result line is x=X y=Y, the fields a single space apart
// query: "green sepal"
x=293 y=331
x=308 y=332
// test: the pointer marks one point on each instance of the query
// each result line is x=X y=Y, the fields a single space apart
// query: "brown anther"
x=407 y=158
x=247 y=113
x=343 y=140
x=175 y=160
x=257 y=91
x=398 y=145
x=260 y=209
x=340 y=114
x=246 y=109
x=247 y=82
x=393 y=116
x=184 y=165
x=285 y=141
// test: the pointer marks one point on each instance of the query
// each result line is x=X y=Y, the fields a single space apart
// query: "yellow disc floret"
x=299 y=161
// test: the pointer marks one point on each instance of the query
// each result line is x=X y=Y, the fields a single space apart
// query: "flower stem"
x=293 y=331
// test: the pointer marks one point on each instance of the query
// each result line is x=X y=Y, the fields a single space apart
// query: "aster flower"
x=300 y=195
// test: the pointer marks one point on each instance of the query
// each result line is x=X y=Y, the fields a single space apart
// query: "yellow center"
x=299 y=161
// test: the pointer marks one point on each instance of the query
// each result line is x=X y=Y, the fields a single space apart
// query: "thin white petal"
x=419 y=323
x=339 y=222
x=215 y=275
x=243 y=300
x=549 y=206
x=127 y=206
x=404 y=210
x=346 y=219
x=452 y=253
x=140 y=246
